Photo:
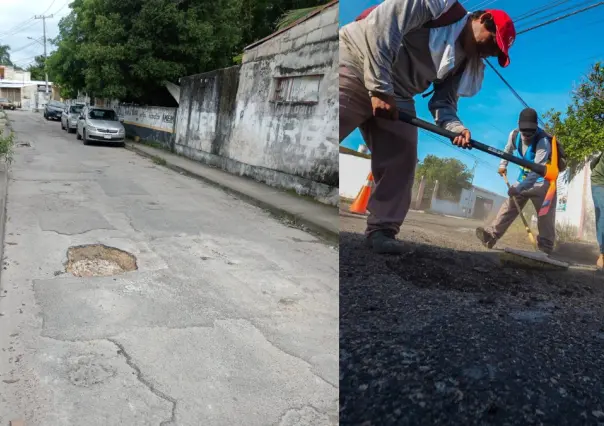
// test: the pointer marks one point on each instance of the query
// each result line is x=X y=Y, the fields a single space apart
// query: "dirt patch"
x=98 y=260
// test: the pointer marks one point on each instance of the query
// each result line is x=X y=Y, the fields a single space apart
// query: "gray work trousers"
x=546 y=224
x=393 y=146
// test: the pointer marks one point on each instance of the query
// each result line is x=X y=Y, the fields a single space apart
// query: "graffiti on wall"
x=156 y=118
x=562 y=191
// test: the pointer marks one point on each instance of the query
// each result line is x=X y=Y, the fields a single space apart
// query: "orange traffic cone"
x=359 y=206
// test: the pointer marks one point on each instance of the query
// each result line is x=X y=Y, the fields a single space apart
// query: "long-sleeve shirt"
x=597 y=170
x=389 y=51
x=543 y=151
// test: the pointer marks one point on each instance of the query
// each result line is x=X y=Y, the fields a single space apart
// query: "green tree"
x=127 y=49
x=37 y=69
x=452 y=175
x=581 y=128
x=5 y=55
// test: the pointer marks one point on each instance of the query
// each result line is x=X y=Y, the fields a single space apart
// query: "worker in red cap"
x=390 y=54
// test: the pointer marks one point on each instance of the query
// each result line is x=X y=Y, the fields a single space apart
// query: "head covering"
x=505 y=35
x=528 y=119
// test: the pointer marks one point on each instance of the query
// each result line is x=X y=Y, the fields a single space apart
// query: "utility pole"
x=44 y=18
x=474 y=171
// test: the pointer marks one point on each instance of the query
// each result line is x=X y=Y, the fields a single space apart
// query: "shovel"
x=548 y=171
x=526 y=225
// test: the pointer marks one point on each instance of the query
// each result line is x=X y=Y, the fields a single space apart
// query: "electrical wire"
x=572 y=8
x=538 y=10
x=22 y=47
x=551 y=21
x=447 y=143
x=514 y=92
x=51 y=5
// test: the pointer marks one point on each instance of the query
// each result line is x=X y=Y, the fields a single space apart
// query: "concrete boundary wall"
x=274 y=118
x=149 y=123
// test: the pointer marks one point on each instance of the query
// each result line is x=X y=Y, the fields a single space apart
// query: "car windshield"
x=3 y=100
x=55 y=104
x=75 y=109
x=102 y=114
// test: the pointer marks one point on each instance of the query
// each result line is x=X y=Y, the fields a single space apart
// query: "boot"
x=486 y=238
x=384 y=242
x=600 y=262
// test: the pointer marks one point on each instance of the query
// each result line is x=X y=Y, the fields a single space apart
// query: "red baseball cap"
x=506 y=34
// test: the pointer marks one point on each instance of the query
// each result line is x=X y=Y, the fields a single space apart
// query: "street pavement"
x=230 y=319
x=446 y=335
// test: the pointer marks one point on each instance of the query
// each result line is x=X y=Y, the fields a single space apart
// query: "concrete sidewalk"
x=318 y=218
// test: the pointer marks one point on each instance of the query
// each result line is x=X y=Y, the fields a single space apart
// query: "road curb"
x=4 y=172
x=308 y=225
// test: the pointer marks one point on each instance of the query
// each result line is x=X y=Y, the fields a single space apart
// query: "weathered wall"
x=578 y=212
x=239 y=120
x=149 y=123
x=205 y=115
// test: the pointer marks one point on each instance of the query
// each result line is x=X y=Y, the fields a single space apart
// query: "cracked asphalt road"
x=230 y=319
x=446 y=335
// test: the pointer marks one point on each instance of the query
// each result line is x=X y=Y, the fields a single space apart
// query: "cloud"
x=17 y=24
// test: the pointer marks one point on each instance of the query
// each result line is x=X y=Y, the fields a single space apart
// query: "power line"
x=572 y=8
x=448 y=144
x=22 y=47
x=516 y=94
x=560 y=18
x=538 y=10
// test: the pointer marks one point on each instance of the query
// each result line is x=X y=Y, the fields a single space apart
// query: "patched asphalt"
x=445 y=335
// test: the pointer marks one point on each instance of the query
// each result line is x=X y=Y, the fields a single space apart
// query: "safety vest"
x=529 y=154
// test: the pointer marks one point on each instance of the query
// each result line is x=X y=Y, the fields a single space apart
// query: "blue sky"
x=545 y=64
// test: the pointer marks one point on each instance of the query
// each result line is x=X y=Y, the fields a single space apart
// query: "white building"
x=477 y=203
x=18 y=87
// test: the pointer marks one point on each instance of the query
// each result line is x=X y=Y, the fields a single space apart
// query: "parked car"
x=7 y=104
x=96 y=124
x=53 y=110
x=69 y=117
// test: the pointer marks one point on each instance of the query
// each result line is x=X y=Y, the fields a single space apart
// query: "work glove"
x=502 y=171
x=513 y=191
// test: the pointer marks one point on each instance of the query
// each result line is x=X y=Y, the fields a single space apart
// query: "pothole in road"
x=99 y=260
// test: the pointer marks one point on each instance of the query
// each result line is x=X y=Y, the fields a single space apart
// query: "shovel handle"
x=524 y=222
x=540 y=169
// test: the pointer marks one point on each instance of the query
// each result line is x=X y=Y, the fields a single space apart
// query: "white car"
x=96 y=124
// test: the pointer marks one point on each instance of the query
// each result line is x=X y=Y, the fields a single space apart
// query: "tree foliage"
x=5 y=55
x=581 y=127
x=37 y=69
x=127 y=49
x=452 y=175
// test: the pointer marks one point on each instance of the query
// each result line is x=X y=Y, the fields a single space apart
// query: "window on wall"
x=297 y=89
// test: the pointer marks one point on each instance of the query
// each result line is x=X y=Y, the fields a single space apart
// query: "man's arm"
x=443 y=104
x=386 y=26
x=509 y=149
x=542 y=155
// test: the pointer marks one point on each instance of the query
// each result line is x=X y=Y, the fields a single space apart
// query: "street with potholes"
x=445 y=334
x=229 y=316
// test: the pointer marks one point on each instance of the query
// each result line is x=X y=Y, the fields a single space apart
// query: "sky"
x=17 y=24
x=545 y=64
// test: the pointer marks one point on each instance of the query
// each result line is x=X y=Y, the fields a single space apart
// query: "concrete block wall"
x=231 y=119
x=154 y=124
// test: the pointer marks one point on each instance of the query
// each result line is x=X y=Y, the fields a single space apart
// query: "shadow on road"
x=448 y=337
x=433 y=267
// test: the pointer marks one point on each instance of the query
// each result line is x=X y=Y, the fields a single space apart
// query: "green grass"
x=159 y=161
x=7 y=145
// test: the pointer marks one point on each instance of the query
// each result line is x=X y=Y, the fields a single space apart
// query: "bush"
x=7 y=143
